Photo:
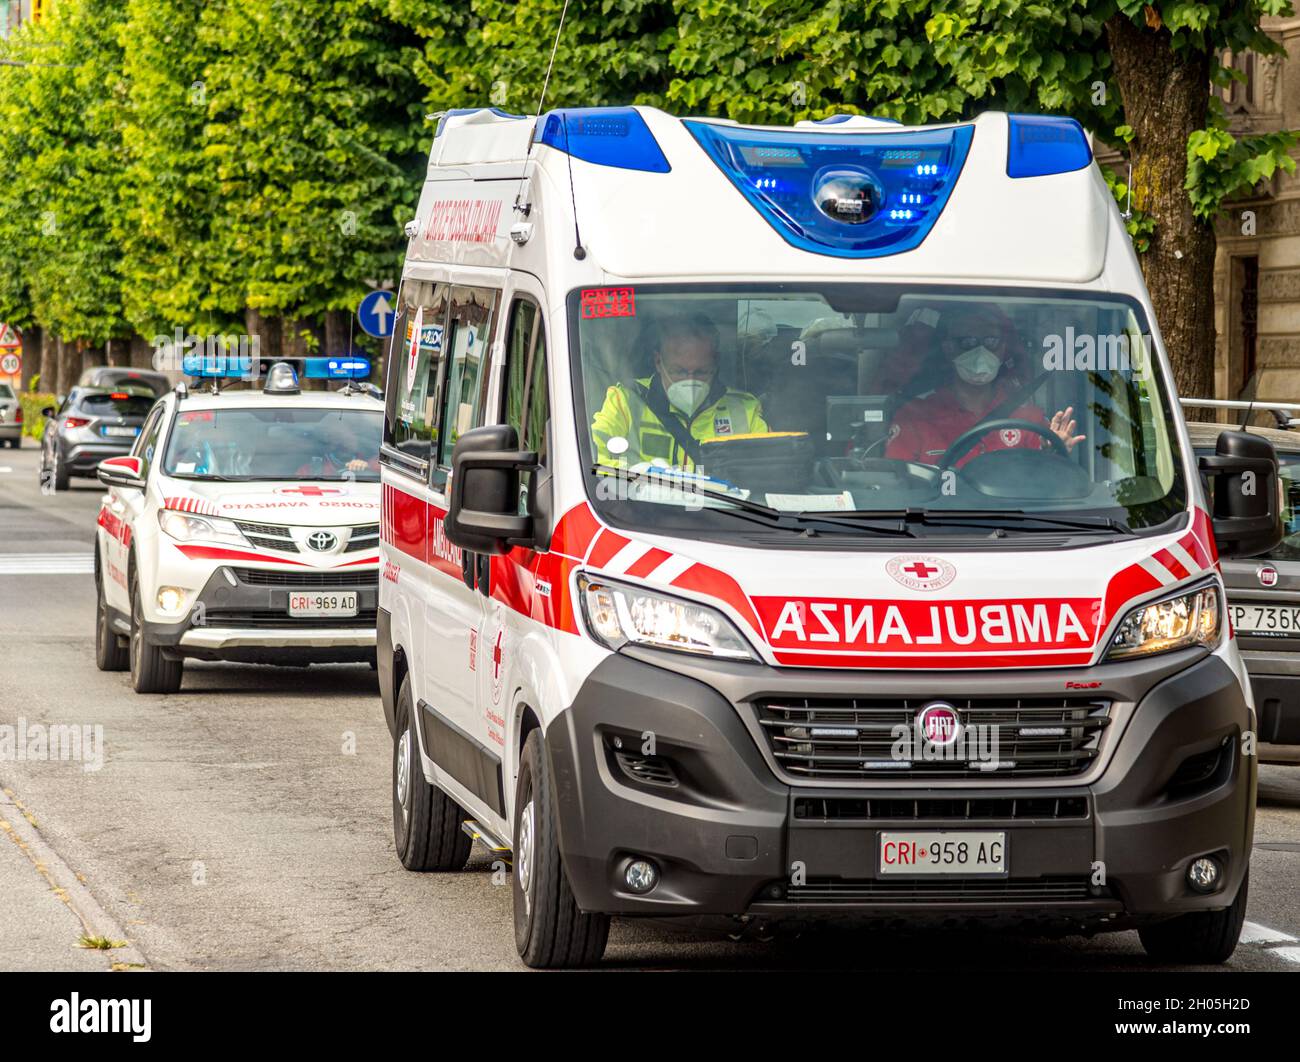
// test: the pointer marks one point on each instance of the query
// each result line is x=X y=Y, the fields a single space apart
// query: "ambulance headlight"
x=1193 y=617
x=620 y=615
x=186 y=527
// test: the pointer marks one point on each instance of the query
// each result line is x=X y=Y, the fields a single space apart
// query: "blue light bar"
x=349 y=367
x=1039 y=144
x=607 y=136
x=218 y=366
x=851 y=195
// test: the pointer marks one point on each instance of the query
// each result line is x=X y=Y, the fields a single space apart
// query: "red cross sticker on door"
x=498 y=657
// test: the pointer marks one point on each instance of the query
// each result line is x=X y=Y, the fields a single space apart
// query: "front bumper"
x=1275 y=681
x=237 y=620
x=1107 y=849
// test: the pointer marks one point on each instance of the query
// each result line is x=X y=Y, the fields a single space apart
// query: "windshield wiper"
x=743 y=506
x=206 y=477
x=969 y=517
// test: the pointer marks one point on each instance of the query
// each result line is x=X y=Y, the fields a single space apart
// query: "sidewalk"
x=38 y=930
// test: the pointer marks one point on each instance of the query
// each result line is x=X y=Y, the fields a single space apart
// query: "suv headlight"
x=618 y=615
x=186 y=527
x=1193 y=617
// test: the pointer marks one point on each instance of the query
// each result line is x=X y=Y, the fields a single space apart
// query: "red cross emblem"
x=921 y=573
x=310 y=492
x=497 y=656
x=921 y=570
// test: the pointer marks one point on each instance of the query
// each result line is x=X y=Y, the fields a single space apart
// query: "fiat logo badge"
x=938 y=724
x=1266 y=574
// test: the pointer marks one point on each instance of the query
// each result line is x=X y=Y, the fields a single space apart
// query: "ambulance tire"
x=426 y=821
x=550 y=931
x=1202 y=938
x=109 y=654
x=151 y=672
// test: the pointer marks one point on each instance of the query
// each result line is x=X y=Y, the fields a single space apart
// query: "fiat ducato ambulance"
x=796 y=524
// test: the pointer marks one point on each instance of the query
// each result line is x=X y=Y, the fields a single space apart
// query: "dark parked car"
x=11 y=417
x=1264 y=605
x=92 y=423
x=116 y=376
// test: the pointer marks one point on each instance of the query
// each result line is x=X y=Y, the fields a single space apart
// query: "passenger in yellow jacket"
x=628 y=431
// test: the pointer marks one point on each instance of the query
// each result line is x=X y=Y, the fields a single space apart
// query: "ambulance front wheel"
x=1202 y=938
x=426 y=821
x=550 y=931
x=151 y=672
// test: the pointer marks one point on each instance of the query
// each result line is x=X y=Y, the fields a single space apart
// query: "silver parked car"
x=122 y=376
x=11 y=417
x=1264 y=605
x=92 y=423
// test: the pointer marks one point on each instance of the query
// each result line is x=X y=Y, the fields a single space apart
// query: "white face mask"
x=978 y=366
x=687 y=395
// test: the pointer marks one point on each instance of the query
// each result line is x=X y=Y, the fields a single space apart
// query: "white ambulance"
x=243 y=526
x=785 y=524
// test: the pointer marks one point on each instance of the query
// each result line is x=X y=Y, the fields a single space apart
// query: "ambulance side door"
x=455 y=731
x=125 y=506
x=517 y=599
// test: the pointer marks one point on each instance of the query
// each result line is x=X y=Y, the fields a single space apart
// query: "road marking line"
x=47 y=563
x=1290 y=954
x=1254 y=933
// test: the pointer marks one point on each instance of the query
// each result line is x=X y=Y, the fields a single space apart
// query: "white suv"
x=243 y=526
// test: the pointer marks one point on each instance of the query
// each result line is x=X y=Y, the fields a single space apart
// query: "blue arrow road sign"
x=376 y=314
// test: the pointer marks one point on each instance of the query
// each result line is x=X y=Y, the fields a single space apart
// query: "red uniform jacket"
x=925 y=428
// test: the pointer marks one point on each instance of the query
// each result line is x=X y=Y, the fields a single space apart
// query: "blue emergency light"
x=852 y=195
x=350 y=367
x=218 y=366
x=1042 y=144
x=606 y=136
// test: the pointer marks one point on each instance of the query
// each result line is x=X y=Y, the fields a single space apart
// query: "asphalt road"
x=244 y=823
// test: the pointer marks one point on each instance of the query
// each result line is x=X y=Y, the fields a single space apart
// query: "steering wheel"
x=967 y=439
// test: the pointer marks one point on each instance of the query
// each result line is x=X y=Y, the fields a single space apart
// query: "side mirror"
x=1246 y=490
x=48 y=411
x=484 y=513
x=121 y=472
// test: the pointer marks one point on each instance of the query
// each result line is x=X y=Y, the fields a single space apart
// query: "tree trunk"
x=141 y=353
x=337 y=323
x=117 y=352
x=1166 y=98
x=69 y=364
x=49 y=362
x=33 y=356
x=268 y=332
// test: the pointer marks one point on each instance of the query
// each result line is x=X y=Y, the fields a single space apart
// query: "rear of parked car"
x=92 y=424
x=11 y=417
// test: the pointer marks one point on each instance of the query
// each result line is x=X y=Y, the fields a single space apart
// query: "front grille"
x=356 y=579
x=981 y=808
x=652 y=770
x=947 y=891
x=268 y=536
x=364 y=537
x=270 y=620
x=856 y=738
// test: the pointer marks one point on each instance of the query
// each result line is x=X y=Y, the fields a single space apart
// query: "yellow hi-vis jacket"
x=627 y=415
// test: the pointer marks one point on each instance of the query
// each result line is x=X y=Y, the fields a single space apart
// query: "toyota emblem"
x=938 y=724
x=322 y=541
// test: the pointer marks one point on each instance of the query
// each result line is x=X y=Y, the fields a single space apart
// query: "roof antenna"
x=525 y=208
x=1253 y=386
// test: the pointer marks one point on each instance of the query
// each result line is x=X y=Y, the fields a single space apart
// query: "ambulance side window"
x=527 y=403
x=473 y=313
x=418 y=366
x=147 y=443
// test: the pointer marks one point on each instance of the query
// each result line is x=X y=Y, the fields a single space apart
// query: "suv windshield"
x=935 y=409
x=6 y=391
x=275 y=443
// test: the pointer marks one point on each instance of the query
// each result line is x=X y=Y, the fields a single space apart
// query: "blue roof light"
x=349 y=367
x=1039 y=144
x=606 y=136
x=852 y=195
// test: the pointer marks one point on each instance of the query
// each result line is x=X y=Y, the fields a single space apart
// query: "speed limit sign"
x=10 y=365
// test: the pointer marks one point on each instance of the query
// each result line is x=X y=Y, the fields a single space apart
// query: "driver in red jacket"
x=976 y=344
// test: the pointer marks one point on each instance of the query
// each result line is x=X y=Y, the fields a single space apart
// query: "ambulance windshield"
x=841 y=404
x=275 y=443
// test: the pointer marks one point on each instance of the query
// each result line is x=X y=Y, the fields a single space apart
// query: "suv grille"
x=349 y=580
x=854 y=738
x=268 y=536
x=272 y=620
x=949 y=891
x=364 y=536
